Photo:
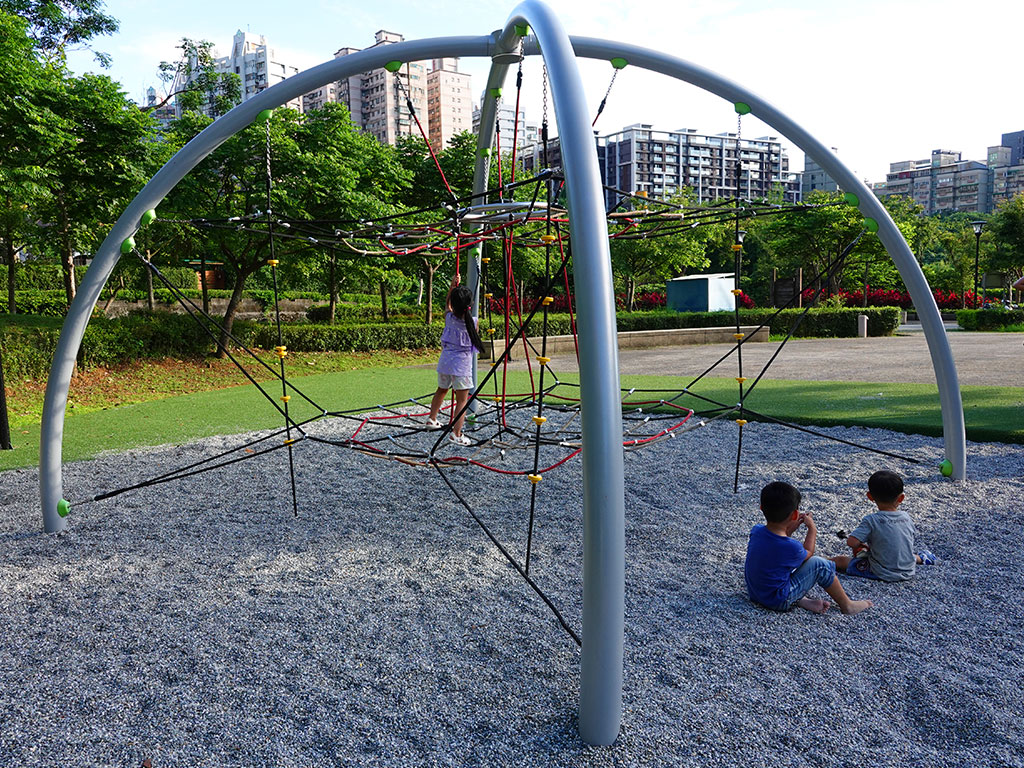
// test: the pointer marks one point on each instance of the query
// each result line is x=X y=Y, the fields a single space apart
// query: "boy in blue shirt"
x=779 y=571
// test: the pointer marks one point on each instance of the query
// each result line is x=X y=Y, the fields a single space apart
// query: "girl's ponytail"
x=474 y=335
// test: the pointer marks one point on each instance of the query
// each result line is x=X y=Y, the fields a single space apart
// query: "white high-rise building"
x=257 y=65
x=527 y=134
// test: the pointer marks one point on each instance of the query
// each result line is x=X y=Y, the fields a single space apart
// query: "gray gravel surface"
x=201 y=623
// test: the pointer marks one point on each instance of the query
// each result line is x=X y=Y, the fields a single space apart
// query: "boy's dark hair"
x=885 y=486
x=778 y=500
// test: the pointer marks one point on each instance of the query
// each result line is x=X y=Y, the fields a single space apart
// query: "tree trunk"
x=202 y=283
x=150 y=300
x=229 y=314
x=419 y=294
x=865 y=302
x=5 y=426
x=630 y=294
x=333 y=287
x=384 y=301
x=67 y=251
x=12 y=275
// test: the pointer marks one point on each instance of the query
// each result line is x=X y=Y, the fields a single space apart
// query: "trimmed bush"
x=367 y=337
x=989 y=319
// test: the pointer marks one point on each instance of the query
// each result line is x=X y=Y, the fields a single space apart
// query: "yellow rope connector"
x=741 y=379
x=735 y=291
x=273 y=262
x=547 y=300
x=548 y=238
x=290 y=441
x=282 y=352
x=741 y=422
x=491 y=331
x=286 y=398
x=485 y=260
x=737 y=247
x=543 y=360
x=738 y=336
x=534 y=479
x=538 y=420
x=488 y=295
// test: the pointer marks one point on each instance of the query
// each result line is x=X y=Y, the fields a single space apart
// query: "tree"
x=95 y=166
x=56 y=26
x=642 y=259
x=1006 y=228
x=194 y=81
x=28 y=130
x=322 y=166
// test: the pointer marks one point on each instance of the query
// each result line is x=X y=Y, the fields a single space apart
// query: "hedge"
x=988 y=319
x=29 y=342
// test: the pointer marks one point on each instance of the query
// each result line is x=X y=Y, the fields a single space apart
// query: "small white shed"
x=701 y=293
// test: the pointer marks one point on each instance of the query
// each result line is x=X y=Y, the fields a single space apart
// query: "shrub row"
x=28 y=347
x=988 y=319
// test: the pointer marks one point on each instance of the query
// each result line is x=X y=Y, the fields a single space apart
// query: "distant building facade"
x=163 y=114
x=815 y=179
x=527 y=133
x=257 y=65
x=441 y=97
x=449 y=102
x=945 y=183
x=663 y=163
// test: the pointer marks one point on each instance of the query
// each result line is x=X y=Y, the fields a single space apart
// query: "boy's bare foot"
x=813 y=605
x=856 y=606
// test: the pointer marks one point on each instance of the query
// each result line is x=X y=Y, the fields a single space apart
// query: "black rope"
x=510 y=559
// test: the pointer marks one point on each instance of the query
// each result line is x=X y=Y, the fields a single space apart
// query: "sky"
x=879 y=80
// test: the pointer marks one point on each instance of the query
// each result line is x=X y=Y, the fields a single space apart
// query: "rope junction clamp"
x=735 y=291
x=741 y=379
x=286 y=398
x=543 y=360
x=546 y=300
x=538 y=420
x=741 y=422
x=534 y=479
x=548 y=238
x=273 y=262
x=738 y=336
x=282 y=352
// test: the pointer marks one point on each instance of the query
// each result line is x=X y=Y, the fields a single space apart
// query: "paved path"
x=995 y=359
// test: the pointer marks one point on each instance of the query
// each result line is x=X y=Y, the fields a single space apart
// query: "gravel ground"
x=201 y=623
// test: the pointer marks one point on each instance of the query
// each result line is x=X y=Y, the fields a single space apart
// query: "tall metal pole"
x=604 y=550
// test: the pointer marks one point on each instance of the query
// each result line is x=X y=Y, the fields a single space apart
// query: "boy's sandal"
x=927 y=558
x=460 y=439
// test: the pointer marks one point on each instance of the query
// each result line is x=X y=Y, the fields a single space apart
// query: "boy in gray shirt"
x=883 y=543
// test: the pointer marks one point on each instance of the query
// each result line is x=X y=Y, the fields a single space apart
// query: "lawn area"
x=92 y=429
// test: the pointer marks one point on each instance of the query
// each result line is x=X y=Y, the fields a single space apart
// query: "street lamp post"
x=978 y=226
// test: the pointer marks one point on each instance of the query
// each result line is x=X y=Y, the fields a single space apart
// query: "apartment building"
x=815 y=179
x=528 y=131
x=257 y=64
x=946 y=183
x=449 y=102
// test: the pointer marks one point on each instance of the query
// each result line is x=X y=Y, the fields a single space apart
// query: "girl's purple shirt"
x=457 y=348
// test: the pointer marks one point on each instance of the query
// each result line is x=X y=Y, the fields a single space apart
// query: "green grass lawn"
x=992 y=413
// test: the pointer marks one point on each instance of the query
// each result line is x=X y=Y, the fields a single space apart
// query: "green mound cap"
x=149 y=217
x=870 y=224
x=522 y=29
x=946 y=468
x=266 y=114
x=742 y=109
x=496 y=93
x=851 y=199
x=63 y=507
x=393 y=66
x=128 y=245
x=619 y=63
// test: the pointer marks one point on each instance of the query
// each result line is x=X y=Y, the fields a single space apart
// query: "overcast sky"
x=880 y=80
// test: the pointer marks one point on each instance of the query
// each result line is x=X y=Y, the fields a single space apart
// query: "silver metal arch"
x=601 y=673
x=953 y=430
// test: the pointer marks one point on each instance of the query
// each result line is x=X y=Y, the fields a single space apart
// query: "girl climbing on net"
x=455 y=366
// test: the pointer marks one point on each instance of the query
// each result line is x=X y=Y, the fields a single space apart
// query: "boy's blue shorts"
x=859 y=566
x=815 y=570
